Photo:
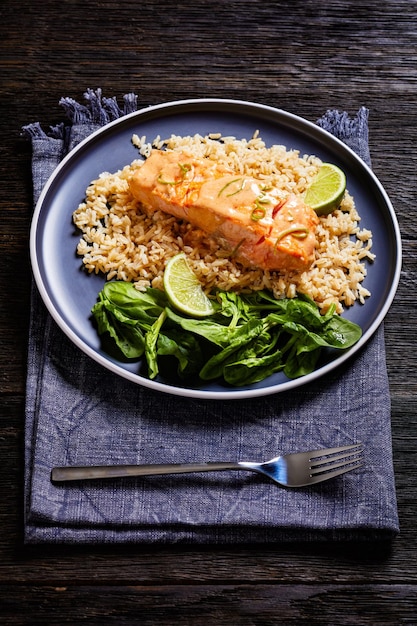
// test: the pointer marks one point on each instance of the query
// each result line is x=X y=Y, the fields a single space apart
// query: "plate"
x=69 y=292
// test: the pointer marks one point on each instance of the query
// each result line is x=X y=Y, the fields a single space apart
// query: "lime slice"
x=183 y=288
x=327 y=189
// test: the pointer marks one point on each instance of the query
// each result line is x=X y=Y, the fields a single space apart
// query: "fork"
x=297 y=469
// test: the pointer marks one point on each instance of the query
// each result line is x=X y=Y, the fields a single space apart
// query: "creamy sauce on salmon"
x=247 y=218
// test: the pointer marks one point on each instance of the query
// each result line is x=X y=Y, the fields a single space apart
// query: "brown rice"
x=122 y=242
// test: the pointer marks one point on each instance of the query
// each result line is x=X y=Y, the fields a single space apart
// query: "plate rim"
x=236 y=393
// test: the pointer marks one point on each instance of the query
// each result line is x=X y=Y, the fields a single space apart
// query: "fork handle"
x=63 y=474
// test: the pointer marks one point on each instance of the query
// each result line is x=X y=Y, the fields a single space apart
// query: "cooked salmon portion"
x=253 y=222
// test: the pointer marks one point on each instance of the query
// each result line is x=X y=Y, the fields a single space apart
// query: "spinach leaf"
x=252 y=369
x=137 y=305
x=129 y=339
x=300 y=362
x=185 y=347
x=243 y=335
x=151 y=339
x=208 y=328
x=341 y=333
x=234 y=307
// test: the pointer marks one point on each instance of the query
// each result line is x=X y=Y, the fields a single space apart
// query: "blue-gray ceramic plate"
x=69 y=292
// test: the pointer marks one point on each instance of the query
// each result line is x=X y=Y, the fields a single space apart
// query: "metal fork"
x=290 y=470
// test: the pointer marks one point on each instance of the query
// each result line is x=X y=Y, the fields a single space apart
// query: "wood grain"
x=264 y=605
x=305 y=57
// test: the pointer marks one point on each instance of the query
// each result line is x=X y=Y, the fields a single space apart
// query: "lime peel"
x=184 y=290
x=327 y=189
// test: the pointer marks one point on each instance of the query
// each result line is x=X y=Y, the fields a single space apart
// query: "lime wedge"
x=183 y=288
x=326 y=190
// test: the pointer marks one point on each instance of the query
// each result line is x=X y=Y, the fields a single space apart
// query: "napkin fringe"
x=98 y=110
x=353 y=131
x=35 y=131
x=340 y=123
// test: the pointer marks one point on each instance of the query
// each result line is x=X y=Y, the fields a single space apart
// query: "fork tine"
x=326 y=475
x=324 y=452
x=339 y=461
x=331 y=461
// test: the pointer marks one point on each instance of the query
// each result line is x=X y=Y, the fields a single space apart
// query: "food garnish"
x=184 y=290
x=327 y=189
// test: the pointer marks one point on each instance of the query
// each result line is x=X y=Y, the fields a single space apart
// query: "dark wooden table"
x=304 y=56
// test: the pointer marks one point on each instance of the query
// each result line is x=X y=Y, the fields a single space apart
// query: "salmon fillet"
x=251 y=221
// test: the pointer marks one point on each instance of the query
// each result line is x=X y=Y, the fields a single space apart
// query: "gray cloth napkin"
x=79 y=413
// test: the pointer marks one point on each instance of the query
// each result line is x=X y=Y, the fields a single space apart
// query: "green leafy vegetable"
x=248 y=338
x=151 y=341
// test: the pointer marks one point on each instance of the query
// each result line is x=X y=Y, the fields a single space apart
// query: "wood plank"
x=216 y=605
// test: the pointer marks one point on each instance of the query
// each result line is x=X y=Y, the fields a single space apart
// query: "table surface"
x=302 y=56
